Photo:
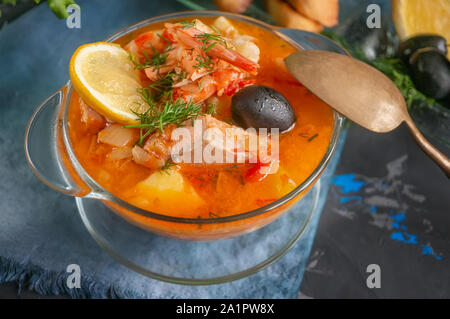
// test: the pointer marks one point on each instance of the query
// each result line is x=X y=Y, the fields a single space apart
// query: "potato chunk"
x=167 y=192
x=225 y=27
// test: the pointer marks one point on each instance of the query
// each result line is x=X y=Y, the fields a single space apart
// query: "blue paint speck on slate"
x=405 y=238
x=349 y=199
x=398 y=218
x=427 y=250
x=347 y=183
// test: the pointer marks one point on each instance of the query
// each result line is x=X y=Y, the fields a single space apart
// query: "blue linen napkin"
x=40 y=230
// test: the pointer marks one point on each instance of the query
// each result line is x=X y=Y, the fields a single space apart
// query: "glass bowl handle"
x=312 y=41
x=45 y=151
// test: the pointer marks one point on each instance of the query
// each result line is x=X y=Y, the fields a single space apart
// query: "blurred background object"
x=421 y=17
x=11 y=9
x=325 y=12
x=235 y=6
x=286 y=16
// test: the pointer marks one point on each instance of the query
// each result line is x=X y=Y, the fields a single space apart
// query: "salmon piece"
x=117 y=135
x=228 y=144
x=156 y=150
x=144 y=158
x=92 y=120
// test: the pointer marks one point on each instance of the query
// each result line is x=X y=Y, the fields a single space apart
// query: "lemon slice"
x=412 y=17
x=107 y=81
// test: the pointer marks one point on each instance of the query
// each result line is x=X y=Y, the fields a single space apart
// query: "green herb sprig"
x=167 y=165
x=211 y=109
x=59 y=7
x=156 y=90
x=204 y=62
x=393 y=68
x=157 y=60
x=171 y=111
x=187 y=24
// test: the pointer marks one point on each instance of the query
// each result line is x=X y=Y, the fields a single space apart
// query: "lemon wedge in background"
x=107 y=81
x=412 y=17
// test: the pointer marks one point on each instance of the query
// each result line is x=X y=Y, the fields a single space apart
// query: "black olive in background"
x=373 y=42
x=431 y=73
x=262 y=107
x=411 y=45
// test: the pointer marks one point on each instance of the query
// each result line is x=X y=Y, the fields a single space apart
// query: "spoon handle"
x=430 y=150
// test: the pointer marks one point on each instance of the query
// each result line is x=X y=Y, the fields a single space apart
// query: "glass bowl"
x=50 y=155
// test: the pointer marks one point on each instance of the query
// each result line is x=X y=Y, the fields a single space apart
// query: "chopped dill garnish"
x=210 y=46
x=313 y=137
x=215 y=29
x=158 y=88
x=164 y=38
x=206 y=38
x=168 y=164
x=211 y=109
x=137 y=65
x=146 y=95
x=204 y=62
x=200 y=83
x=157 y=59
x=187 y=24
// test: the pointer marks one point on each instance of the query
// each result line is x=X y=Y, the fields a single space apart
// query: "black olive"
x=373 y=42
x=411 y=45
x=259 y=106
x=431 y=73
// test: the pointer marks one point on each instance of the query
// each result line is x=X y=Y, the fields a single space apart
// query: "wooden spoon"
x=359 y=92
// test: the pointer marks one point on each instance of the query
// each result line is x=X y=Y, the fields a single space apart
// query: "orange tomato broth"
x=223 y=188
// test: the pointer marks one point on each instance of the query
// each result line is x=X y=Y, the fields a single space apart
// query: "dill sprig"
x=167 y=165
x=164 y=83
x=211 y=109
x=157 y=59
x=158 y=88
x=212 y=45
x=164 y=39
x=215 y=29
x=158 y=116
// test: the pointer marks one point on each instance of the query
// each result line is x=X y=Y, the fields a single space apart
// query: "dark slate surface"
x=390 y=206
